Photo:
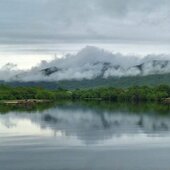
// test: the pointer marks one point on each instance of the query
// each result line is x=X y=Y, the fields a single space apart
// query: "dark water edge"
x=5 y=108
x=139 y=107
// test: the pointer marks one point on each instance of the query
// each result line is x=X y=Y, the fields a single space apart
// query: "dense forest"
x=17 y=93
x=132 y=94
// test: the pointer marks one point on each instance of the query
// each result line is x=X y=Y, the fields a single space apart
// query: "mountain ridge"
x=90 y=64
x=122 y=82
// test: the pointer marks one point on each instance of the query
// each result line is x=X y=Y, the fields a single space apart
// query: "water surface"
x=85 y=136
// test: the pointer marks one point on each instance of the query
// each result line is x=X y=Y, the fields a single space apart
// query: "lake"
x=85 y=136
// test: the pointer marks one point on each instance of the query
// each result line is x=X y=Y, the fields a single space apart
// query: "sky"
x=35 y=30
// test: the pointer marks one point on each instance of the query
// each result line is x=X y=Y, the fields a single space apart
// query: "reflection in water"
x=89 y=124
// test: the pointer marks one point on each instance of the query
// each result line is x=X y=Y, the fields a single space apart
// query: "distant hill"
x=91 y=67
x=124 y=82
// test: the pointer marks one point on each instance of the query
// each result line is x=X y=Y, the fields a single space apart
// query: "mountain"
x=92 y=62
x=99 y=69
x=153 y=67
x=92 y=67
x=49 y=71
x=123 y=82
x=107 y=70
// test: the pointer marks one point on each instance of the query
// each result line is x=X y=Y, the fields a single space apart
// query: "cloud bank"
x=89 y=63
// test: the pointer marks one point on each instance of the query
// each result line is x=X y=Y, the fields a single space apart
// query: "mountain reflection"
x=89 y=124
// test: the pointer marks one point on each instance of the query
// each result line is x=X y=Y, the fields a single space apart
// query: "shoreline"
x=24 y=101
x=165 y=101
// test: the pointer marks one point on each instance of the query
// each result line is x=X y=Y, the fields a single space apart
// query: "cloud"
x=89 y=63
x=8 y=72
x=46 y=21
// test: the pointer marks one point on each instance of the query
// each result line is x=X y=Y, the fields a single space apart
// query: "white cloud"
x=89 y=63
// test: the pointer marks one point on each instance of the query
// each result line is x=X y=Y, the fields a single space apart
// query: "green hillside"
x=150 y=80
x=123 y=82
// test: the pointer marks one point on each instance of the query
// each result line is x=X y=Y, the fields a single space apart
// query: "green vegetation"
x=117 y=82
x=19 y=93
x=132 y=94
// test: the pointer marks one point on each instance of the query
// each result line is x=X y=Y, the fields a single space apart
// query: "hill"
x=123 y=82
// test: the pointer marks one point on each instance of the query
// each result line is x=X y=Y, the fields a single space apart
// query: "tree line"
x=132 y=94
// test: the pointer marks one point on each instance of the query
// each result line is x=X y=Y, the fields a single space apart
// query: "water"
x=85 y=136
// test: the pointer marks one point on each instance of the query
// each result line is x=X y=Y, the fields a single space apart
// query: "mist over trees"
x=89 y=63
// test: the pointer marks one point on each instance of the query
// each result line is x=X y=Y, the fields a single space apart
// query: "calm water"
x=85 y=136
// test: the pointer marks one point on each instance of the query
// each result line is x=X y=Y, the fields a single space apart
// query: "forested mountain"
x=151 y=80
x=91 y=67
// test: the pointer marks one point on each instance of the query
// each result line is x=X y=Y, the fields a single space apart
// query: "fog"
x=89 y=63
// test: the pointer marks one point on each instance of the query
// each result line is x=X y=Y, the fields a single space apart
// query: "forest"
x=131 y=94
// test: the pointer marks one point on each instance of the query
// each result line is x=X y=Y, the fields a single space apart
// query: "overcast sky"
x=63 y=20
x=69 y=21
